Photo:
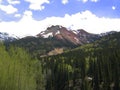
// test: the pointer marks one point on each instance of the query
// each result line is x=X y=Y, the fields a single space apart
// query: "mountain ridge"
x=6 y=37
x=77 y=37
x=56 y=38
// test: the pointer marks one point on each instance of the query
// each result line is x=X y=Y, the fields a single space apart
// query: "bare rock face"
x=56 y=51
x=77 y=37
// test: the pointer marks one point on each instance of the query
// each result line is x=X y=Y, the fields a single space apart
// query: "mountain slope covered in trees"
x=93 y=66
x=38 y=46
x=90 y=67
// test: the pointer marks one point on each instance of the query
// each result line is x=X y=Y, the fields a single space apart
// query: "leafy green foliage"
x=18 y=71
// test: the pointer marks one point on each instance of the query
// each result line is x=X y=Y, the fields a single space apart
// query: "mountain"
x=86 y=37
x=94 y=66
x=60 y=33
x=5 y=37
x=108 y=33
x=77 y=37
x=55 y=40
x=43 y=46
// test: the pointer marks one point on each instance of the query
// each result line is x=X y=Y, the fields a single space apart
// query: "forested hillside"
x=38 y=46
x=18 y=71
x=93 y=66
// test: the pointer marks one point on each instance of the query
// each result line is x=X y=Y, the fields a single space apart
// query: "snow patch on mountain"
x=75 y=31
x=7 y=37
x=107 y=33
x=47 y=35
x=77 y=40
x=58 y=32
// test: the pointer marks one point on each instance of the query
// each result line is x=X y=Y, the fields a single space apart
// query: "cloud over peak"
x=81 y=20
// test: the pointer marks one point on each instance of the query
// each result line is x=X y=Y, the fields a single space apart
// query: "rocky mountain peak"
x=54 y=28
x=62 y=33
x=82 y=31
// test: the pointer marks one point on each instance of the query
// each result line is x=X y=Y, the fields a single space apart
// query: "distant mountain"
x=77 y=37
x=108 y=33
x=55 y=40
x=5 y=37
x=86 y=37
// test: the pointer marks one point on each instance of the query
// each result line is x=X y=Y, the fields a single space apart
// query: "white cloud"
x=37 y=4
x=9 y=9
x=13 y=1
x=28 y=13
x=113 y=7
x=84 y=20
x=0 y=1
x=84 y=1
x=27 y=25
x=17 y=15
x=36 y=7
x=64 y=1
x=94 y=0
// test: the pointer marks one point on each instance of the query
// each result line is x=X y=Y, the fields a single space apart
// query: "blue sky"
x=29 y=17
